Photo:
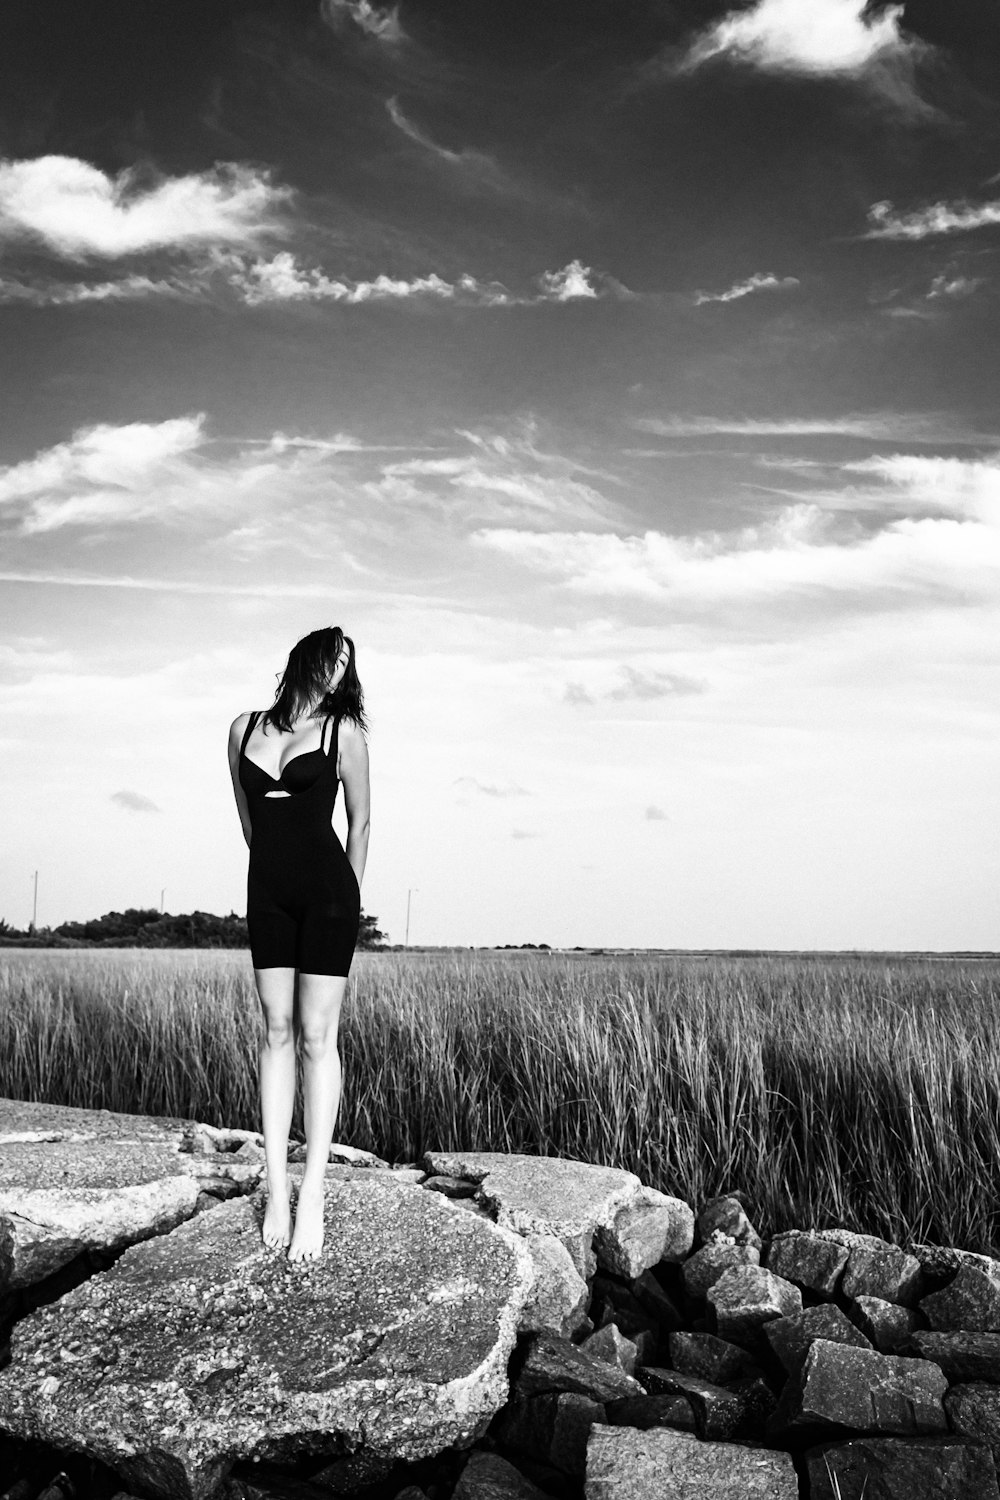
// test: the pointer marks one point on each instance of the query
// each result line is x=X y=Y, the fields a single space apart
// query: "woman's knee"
x=279 y=1031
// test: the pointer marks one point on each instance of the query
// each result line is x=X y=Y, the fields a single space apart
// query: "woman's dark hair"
x=311 y=663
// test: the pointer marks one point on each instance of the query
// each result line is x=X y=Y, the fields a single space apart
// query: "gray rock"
x=970 y=1302
x=807 y=1259
x=962 y=1356
x=551 y=1363
x=644 y=1412
x=791 y=1338
x=746 y=1297
x=974 y=1411
x=944 y=1260
x=708 y=1357
x=60 y=1198
x=654 y=1300
x=559 y=1295
x=876 y=1268
x=489 y=1476
x=726 y=1216
x=603 y=1215
x=718 y=1411
x=552 y=1429
x=759 y=1403
x=610 y=1345
x=703 y=1269
x=917 y=1468
x=660 y=1464
x=885 y=1324
x=636 y=1327
x=841 y=1386
x=202 y=1347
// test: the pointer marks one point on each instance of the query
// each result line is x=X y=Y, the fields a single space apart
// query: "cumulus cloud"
x=79 y=212
x=819 y=37
x=655 y=814
x=575 y=692
x=134 y=802
x=575 y=282
x=884 y=223
x=49 y=293
x=382 y=25
x=760 y=281
x=950 y=284
x=282 y=279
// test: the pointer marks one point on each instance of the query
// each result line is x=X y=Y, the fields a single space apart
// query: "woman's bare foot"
x=307 y=1241
x=277 y=1219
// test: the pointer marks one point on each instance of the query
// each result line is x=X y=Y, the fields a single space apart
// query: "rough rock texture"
x=974 y=1411
x=791 y=1338
x=970 y=1301
x=718 y=1412
x=708 y=1357
x=962 y=1356
x=857 y=1388
x=559 y=1296
x=660 y=1464
x=62 y=1197
x=703 y=1269
x=808 y=1259
x=608 y=1343
x=944 y=1260
x=876 y=1268
x=201 y=1347
x=746 y=1297
x=552 y=1428
x=921 y=1468
x=603 y=1216
x=550 y=1363
x=488 y=1476
x=652 y=1411
x=884 y=1324
x=726 y=1217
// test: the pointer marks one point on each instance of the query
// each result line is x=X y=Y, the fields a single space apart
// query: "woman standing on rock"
x=303 y=903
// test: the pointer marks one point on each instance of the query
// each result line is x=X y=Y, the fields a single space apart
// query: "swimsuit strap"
x=333 y=737
x=246 y=733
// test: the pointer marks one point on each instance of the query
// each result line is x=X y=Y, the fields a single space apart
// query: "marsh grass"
x=855 y=1091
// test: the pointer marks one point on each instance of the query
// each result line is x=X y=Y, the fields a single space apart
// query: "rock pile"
x=481 y=1325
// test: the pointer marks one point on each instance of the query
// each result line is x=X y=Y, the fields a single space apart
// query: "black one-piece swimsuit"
x=303 y=899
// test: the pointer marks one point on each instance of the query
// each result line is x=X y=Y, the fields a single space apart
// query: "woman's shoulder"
x=240 y=723
x=350 y=731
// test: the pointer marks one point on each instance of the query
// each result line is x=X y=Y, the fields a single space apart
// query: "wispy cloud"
x=475 y=167
x=807 y=551
x=950 y=284
x=382 y=25
x=491 y=789
x=49 y=293
x=640 y=685
x=760 y=281
x=887 y=426
x=655 y=814
x=80 y=213
x=885 y=223
x=135 y=802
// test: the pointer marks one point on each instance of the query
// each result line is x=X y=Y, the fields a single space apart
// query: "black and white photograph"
x=500 y=671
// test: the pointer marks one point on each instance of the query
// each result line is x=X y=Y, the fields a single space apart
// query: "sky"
x=619 y=374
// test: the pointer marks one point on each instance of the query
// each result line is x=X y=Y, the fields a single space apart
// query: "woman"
x=303 y=903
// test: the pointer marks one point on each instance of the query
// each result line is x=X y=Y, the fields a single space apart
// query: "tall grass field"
x=854 y=1091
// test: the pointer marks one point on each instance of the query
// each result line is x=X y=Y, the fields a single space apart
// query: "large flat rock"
x=201 y=1347
x=603 y=1215
x=64 y=1191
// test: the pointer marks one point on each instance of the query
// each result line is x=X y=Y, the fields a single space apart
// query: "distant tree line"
x=145 y=927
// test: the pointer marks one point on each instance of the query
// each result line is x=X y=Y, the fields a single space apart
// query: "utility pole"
x=34 y=909
x=161 y=899
x=406 y=940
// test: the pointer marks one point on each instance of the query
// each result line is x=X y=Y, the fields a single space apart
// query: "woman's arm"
x=353 y=772
x=235 y=740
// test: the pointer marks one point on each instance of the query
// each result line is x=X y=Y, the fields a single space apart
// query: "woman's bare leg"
x=276 y=988
x=320 y=999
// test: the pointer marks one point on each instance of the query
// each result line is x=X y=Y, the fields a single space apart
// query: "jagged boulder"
x=918 y=1468
x=201 y=1347
x=624 y=1464
x=603 y=1215
x=842 y=1386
